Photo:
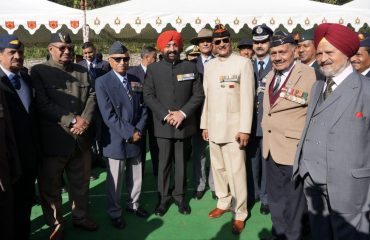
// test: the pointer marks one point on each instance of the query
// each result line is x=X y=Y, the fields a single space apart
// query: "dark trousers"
x=327 y=224
x=7 y=214
x=286 y=201
x=256 y=169
x=169 y=150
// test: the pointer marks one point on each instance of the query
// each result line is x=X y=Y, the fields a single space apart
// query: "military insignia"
x=185 y=77
x=31 y=24
x=136 y=87
x=53 y=24
x=223 y=86
x=14 y=42
x=264 y=80
x=231 y=86
x=75 y=24
x=229 y=78
x=259 y=30
x=9 y=24
x=294 y=95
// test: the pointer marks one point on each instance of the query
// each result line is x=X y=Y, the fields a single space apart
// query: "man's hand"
x=176 y=118
x=136 y=137
x=80 y=126
x=205 y=135
x=242 y=139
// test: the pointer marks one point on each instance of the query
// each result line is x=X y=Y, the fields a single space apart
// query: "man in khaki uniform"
x=285 y=101
x=226 y=122
x=66 y=103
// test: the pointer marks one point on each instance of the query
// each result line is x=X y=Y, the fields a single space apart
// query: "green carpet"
x=171 y=226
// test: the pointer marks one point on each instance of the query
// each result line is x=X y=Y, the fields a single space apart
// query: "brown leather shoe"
x=238 y=226
x=57 y=233
x=215 y=213
x=87 y=225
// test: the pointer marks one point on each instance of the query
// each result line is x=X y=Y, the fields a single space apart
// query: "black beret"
x=245 y=43
x=365 y=42
x=117 y=48
x=220 y=31
x=10 y=41
x=261 y=33
x=60 y=37
x=307 y=35
x=280 y=38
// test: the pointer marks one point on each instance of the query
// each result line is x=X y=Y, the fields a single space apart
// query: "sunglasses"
x=63 y=48
x=119 y=59
x=224 y=40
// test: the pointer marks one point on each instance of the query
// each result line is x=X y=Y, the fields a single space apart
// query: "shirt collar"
x=121 y=77
x=144 y=68
x=312 y=63
x=343 y=75
x=205 y=58
x=8 y=73
x=366 y=71
x=286 y=72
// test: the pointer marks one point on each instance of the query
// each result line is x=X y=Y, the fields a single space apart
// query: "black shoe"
x=140 y=212
x=214 y=196
x=118 y=223
x=264 y=209
x=184 y=207
x=162 y=208
x=198 y=195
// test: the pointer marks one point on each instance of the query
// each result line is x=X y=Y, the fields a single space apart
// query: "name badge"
x=136 y=87
x=185 y=77
x=228 y=78
x=1 y=111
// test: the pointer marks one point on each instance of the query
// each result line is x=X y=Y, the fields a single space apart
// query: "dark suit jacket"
x=120 y=115
x=258 y=111
x=100 y=69
x=137 y=71
x=61 y=93
x=348 y=148
x=163 y=92
x=200 y=67
x=9 y=160
x=24 y=125
x=368 y=74
x=319 y=75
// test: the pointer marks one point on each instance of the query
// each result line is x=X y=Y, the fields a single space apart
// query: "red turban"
x=341 y=37
x=168 y=36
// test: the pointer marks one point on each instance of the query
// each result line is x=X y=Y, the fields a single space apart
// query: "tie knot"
x=261 y=63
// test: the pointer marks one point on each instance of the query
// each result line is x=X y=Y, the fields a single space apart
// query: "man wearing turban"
x=333 y=154
x=173 y=91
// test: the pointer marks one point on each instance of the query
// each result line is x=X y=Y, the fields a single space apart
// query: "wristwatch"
x=73 y=122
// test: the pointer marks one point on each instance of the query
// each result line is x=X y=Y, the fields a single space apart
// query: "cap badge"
x=259 y=30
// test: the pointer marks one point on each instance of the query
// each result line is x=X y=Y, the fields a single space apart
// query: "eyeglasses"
x=224 y=40
x=119 y=59
x=63 y=48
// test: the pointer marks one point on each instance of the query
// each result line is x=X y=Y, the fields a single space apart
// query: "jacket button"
x=269 y=114
x=269 y=131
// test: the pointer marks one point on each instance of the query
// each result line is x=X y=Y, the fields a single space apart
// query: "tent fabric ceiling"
x=31 y=15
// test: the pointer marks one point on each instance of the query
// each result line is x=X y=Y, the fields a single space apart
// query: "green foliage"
x=336 y=2
x=91 y=4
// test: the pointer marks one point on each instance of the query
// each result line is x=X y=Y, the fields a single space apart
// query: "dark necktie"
x=92 y=71
x=277 y=82
x=16 y=81
x=328 y=90
x=126 y=88
x=261 y=63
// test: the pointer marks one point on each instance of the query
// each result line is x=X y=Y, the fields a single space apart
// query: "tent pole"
x=85 y=28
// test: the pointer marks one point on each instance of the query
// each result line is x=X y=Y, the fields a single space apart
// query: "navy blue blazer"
x=258 y=112
x=100 y=68
x=121 y=115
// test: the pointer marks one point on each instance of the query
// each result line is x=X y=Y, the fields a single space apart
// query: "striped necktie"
x=277 y=83
x=125 y=85
x=328 y=90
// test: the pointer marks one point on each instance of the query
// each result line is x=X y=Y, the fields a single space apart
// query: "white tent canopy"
x=31 y=14
x=235 y=13
x=361 y=4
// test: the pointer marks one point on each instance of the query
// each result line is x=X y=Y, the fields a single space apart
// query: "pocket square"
x=359 y=115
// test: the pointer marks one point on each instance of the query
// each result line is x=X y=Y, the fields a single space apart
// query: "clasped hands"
x=80 y=126
x=241 y=138
x=175 y=118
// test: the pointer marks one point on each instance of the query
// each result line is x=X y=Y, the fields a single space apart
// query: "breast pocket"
x=233 y=96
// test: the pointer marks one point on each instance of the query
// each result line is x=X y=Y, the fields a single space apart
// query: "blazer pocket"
x=360 y=172
x=291 y=133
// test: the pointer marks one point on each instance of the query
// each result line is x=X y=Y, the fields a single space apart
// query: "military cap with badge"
x=261 y=33
x=10 y=41
x=288 y=92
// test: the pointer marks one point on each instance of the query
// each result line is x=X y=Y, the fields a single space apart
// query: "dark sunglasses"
x=224 y=40
x=63 y=48
x=119 y=59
